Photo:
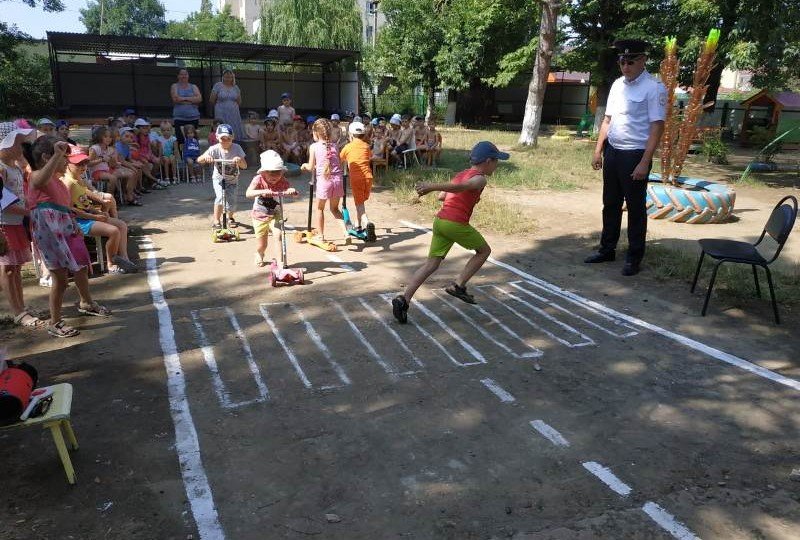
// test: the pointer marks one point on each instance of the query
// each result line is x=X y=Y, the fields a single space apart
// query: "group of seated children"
x=290 y=135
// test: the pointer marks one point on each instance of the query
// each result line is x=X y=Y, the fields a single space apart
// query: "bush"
x=26 y=87
x=715 y=150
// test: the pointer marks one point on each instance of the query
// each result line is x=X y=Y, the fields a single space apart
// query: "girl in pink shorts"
x=15 y=248
x=323 y=162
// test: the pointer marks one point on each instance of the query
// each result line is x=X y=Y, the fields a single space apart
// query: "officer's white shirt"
x=632 y=106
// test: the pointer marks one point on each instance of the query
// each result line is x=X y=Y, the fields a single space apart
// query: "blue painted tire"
x=761 y=166
x=692 y=201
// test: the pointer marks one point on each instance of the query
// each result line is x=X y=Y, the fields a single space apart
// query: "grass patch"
x=734 y=281
x=553 y=165
x=490 y=214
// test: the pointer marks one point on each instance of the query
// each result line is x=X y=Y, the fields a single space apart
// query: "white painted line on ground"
x=668 y=522
x=394 y=334
x=586 y=339
x=608 y=478
x=337 y=259
x=533 y=353
x=289 y=353
x=686 y=341
x=549 y=433
x=455 y=335
x=312 y=333
x=370 y=349
x=195 y=481
x=495 y=389
x=248 y=353
x=388 y=297
x=631 y=333
x=211 y=361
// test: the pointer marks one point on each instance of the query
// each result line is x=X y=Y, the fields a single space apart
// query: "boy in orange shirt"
x=357 y=154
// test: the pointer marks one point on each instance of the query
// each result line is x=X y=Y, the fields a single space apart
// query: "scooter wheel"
x=236 y=235
x=272 y=281
x=214 y=237
x=300 y=277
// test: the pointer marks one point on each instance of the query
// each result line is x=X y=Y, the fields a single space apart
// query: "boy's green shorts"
x=446 y=233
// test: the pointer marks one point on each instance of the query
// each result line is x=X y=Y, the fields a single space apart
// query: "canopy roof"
x=97 y=45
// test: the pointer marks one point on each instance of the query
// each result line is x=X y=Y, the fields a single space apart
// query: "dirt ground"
x=306 y=411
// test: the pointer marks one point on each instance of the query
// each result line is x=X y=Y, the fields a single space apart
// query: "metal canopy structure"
x=98 y=75
x=102 y=45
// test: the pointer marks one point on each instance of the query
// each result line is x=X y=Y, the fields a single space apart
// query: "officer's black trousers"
x=618 y=186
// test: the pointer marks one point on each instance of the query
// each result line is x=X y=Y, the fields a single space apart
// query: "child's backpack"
x=16 y=384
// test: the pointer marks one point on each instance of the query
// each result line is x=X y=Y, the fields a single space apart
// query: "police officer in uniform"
x=629 y=136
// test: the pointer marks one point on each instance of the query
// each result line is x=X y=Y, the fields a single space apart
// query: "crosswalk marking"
x=391 y=331
x=630 y=330
x=315 y=338
x=479 y=358
x=532 y=352
x=498 y=323
x=584 y=339
x=223 y=394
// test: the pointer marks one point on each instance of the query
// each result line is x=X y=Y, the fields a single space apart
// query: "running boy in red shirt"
x=451 y=226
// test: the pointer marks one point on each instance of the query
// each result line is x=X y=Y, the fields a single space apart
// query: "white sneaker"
x=46 y=281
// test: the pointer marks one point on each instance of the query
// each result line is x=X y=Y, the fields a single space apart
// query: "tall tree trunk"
x=430 y=105
x=541 y=68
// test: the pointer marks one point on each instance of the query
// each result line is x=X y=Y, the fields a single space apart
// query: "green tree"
x=407 y=46
x=11 y=36
x=331 y=24
x=142 y=18
x=26 y=85
x=541 y=69
x=208 y=26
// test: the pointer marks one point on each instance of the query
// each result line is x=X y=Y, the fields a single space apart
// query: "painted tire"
x=700 y=201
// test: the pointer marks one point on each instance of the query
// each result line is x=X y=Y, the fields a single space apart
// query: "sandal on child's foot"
x=28 y=320
x=233 y=223
x=400 y=308
x=94 y=309
x=460 y=292
x=216 y=226
x=259 y=260
x=371 y=236
x=60 y=329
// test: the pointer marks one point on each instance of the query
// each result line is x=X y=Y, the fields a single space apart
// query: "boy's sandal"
x=28 y=320
x=117 y=270
x=216 y=226
x=259 y=261
x=400 y=309
x=233 y=223
x=134 y=202
x=460 y=293
x=60 y=329
x=94 y=309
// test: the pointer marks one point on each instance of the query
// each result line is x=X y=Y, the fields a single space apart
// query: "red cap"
x=297 y=117
x=76 y=154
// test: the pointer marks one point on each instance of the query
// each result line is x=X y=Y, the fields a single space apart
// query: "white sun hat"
x=141 y=122
x=9 y=132
x=273 y=113
x=271 y=161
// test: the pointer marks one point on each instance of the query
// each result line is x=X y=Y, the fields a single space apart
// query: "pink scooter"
x=279 y=273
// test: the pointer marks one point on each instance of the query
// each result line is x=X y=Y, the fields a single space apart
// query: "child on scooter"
x=269 y=182
x=323 y=162
x=357 y=155
x=228 y=173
